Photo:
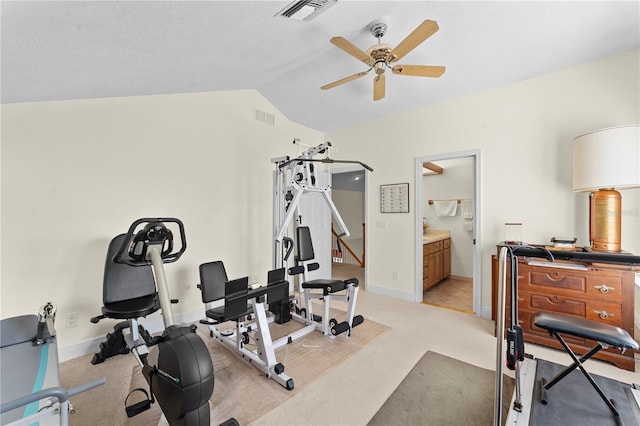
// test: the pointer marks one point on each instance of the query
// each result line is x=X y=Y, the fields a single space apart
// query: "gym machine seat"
x=215 y=286
x=605 y=335
x=329 y=287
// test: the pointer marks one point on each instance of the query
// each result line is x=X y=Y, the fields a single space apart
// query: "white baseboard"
x=403 y=295
x=92 y=345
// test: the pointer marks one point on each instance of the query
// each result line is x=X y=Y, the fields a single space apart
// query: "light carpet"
x=240 y=391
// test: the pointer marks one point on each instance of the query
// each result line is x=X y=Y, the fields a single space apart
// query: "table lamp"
x=603 y=161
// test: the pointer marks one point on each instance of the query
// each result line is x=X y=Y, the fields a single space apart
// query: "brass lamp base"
x=605 y=213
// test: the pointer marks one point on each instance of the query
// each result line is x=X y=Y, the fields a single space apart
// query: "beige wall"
x=524 y=133
x=77 y=173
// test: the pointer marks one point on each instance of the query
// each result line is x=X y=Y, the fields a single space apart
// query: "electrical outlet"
x=71 y=320
x=396 y=275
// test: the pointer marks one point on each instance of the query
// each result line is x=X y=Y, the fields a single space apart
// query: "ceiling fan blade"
x=344 y=80
x=418 y=70
x=378 y=87
x=352 y=50
x=420 y=34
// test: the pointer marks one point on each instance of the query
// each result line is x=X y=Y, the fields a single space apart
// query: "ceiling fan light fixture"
x=380 y=56
x=380 y=66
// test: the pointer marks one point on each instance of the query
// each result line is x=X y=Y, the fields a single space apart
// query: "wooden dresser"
x=436 y=261
x=599 y=292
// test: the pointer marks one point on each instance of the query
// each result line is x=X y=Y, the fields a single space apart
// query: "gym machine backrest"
x=214 y=287
x=127 y=292
x=213 y=276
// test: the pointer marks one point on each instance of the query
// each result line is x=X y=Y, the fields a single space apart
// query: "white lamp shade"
x=607 y=158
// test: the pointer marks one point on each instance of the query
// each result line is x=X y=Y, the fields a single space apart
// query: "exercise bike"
x=176 y=365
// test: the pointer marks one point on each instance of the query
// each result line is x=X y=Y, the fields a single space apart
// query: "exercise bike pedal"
x=230 y=422
x=138 y=407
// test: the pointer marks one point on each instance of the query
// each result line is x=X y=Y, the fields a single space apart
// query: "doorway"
x=348 y=253
x=448 y=254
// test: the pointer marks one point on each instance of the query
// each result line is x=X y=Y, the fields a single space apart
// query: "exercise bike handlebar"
x=155 y=232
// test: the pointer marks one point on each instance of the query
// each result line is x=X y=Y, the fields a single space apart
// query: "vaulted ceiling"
x=55 y=50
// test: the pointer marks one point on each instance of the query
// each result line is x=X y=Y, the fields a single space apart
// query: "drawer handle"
x=603 y=314
x=603 y=288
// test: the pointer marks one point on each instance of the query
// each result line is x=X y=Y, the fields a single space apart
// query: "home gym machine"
x=176 y=365
x=525 y=408
x=239 y=302
x=294 y=178
x=31 y=391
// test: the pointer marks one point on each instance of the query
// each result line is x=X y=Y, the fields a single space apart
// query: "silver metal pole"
x=153 y=253
x=502 y=278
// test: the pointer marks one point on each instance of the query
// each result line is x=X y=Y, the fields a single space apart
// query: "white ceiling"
x=56 y=50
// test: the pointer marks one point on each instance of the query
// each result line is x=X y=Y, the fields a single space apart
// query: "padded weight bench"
x=605 y=335
x=30 y=387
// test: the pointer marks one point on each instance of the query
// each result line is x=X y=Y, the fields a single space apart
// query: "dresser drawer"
x=605 y=287
x=557 y=304
x=607 y=313
x=545 y=279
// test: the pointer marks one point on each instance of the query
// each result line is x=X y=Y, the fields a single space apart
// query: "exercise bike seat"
x=128 y=291
x=603 y=333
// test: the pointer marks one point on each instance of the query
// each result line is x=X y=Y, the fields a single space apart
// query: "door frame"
x=477 y=272
x=356 y=168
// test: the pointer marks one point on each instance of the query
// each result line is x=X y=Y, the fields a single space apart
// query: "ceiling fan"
x=380 y=56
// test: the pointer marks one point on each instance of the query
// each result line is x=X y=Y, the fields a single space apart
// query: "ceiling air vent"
x=305 y=10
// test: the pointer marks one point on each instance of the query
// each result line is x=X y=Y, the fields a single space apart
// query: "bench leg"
x=577 y=363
